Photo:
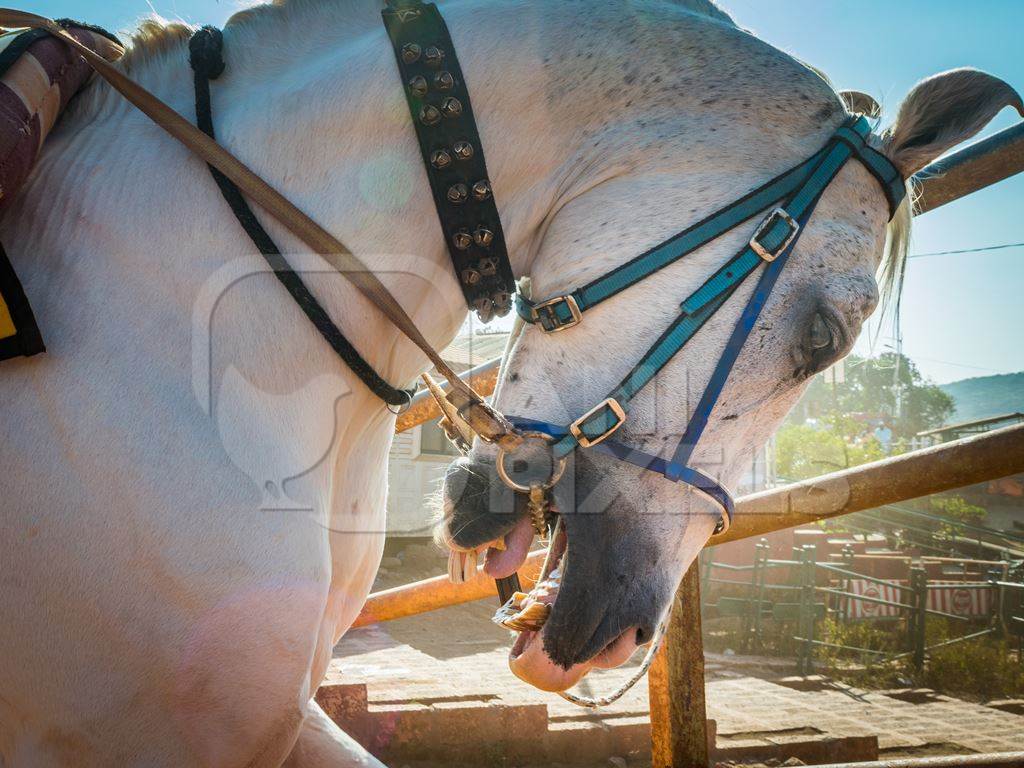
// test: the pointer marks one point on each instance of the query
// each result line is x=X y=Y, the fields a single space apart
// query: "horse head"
x=700 y=113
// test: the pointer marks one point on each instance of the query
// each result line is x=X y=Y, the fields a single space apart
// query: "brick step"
x=487 y=732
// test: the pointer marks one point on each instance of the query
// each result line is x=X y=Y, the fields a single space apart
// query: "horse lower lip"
x=530 y=663
x=520 y=644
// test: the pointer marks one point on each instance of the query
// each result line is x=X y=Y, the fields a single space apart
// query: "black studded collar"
x=438 y=98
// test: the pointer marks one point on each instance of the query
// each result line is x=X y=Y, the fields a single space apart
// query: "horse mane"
x=153 y=38
x=156 y=36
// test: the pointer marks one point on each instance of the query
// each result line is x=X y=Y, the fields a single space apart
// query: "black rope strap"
x=207 y=60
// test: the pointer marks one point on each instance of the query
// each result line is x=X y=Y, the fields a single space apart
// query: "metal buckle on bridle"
x=546 y=314
x=467 y=416
x=576 y=428
x=758 y=242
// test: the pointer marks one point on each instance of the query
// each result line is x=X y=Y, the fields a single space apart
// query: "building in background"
x=419 y=456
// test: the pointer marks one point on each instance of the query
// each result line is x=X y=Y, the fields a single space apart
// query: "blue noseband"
x=792 y=197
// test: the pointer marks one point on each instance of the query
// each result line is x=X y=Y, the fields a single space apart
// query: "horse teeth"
x=531 y=618
x=499 y=544
x=455 y=570
x=469 y=565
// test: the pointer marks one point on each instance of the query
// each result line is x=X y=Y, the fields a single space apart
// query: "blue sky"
x=962 y=315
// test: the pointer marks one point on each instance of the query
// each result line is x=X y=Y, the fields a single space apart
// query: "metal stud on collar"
x=433 y=56
x=444 y=81
x=411 y=53
x=430 y=115
x=441 y=159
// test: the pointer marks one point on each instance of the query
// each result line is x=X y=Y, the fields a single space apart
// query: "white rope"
x=604 y=701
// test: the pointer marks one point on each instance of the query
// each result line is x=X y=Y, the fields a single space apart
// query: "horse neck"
x=136 y=205
x=310 y=99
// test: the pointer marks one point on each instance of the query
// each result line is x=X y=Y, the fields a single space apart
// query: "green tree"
x=803 y=451
x=872 y=388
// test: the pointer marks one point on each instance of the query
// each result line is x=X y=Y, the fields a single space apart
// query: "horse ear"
x=858 y=101
x=942 y=111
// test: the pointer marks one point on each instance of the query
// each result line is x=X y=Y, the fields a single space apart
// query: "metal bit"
x=539 y=507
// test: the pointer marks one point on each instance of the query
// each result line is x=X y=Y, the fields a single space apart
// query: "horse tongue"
x=500 y=563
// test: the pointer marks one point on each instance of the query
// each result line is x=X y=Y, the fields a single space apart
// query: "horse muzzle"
x=484 y=498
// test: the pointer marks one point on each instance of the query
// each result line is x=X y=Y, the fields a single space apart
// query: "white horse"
x=193 y=485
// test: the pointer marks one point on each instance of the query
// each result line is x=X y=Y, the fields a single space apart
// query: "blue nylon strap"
x=800 y=207
x=710 y=297
x=677 y=246
x=877 y=164
x=670 y=342
x=681 y=474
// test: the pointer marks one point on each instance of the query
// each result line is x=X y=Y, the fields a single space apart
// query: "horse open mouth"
x=527 y=613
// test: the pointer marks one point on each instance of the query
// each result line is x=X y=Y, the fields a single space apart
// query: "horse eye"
x=821 y=335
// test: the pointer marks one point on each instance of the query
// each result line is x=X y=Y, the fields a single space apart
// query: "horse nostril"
x=519 y=466
x=644 y=635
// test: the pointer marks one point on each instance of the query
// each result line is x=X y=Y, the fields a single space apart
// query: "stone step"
x=471 y=731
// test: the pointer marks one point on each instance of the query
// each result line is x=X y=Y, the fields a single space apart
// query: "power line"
x=967 y=250
x=958 y=365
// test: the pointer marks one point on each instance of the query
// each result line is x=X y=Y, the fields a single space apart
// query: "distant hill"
x=986 y=396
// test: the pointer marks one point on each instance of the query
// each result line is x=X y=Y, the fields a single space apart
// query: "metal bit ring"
x=559 y=467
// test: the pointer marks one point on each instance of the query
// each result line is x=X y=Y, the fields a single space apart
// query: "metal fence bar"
x=842 y=647
x=730 y=567
x=1010 y=584
x=961 y=639
x=974 y=167
x=991 y=760
x=865 y=598
x=992 y=532
x=943 y=467
x=855 y=575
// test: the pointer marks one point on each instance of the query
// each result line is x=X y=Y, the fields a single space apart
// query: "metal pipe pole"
x=974 y=167
x=679 y=733
x=972 y=460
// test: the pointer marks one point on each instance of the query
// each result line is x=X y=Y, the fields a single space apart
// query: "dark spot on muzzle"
x=480 y=507
x=612 y=581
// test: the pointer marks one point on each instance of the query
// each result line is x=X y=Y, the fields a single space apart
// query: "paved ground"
x=457 y=655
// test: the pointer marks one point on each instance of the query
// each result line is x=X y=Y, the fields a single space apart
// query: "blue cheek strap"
x=794 y=195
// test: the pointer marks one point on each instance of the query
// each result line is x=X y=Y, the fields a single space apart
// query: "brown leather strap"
x=488 y=424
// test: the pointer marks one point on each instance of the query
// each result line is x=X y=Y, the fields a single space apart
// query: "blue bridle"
x=792 y=196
